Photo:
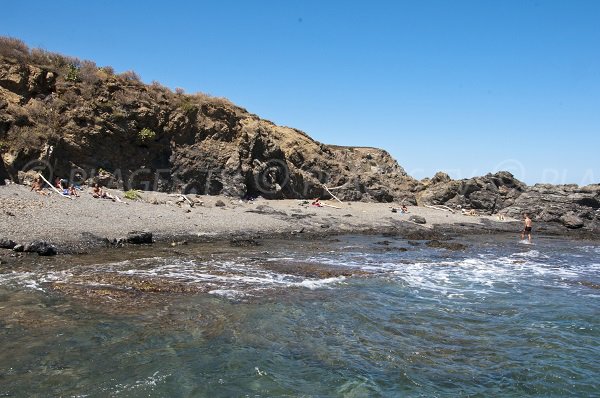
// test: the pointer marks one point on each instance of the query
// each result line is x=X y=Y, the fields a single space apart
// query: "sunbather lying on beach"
x=38 y=187
x=466 y=212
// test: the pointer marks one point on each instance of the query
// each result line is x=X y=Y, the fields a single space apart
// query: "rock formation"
x=87 y=123
x=570 y=205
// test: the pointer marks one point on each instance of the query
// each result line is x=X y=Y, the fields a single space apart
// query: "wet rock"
x=139 y=237
x=384 y=243
x=455 y=246
x=314 y=270
x=421 y=234
x=7 y=244
x=244 y=242
x=417 y=219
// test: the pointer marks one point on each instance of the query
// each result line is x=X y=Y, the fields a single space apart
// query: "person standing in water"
x=527 y=228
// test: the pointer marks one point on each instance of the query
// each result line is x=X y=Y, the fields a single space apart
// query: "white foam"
x=148 y=383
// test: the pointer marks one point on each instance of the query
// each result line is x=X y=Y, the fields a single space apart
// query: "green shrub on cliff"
x=72 y=73
x=145 y=136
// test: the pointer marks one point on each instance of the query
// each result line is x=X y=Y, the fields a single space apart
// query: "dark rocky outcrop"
x=490 y=193
x=139 y=237
x=570 y=205
x=501 y=193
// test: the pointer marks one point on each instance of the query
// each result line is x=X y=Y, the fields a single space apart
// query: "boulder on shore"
x=40 y=247
x=417 y=219
x=139 y=237
x=7 y=244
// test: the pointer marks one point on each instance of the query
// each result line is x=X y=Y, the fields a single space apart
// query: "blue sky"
x=466 y=87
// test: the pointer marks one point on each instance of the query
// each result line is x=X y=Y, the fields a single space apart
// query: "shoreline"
x=84 y=223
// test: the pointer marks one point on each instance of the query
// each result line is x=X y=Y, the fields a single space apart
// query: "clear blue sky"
x=466 y=87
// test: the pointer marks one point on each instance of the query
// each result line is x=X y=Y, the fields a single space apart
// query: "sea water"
x=342 y=317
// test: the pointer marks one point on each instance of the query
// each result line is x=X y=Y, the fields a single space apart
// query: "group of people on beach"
x=403 y=209
x=63 y=187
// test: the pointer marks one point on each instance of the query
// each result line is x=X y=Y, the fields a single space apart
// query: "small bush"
x=88 y=72
x=132 y=194
x=108 y=70
x=131 y=76
x=72 y=73
x=188 y=107
x=13 y=48
x=145 y=136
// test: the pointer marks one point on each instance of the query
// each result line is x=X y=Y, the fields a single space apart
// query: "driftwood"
x=335 y=197
x=326 y=205
x=182 y=196
x=440 y=208
x=186 y=198
x=53 y=187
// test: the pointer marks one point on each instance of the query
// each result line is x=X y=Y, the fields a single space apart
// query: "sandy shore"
x=26 y=216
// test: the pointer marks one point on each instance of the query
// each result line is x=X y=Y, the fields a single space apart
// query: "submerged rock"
x=455 y=246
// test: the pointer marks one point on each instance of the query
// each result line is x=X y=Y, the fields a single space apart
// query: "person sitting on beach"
x=404 y=209
x=317 y=203
x=73 y=191
x=38 y=187
x=98 y=192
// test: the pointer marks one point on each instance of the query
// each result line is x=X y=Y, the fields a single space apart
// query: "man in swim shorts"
x=527 y=228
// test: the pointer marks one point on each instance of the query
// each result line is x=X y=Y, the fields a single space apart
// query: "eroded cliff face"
x=93 y=125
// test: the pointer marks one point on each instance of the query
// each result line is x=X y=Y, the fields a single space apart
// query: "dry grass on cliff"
x=86 y=73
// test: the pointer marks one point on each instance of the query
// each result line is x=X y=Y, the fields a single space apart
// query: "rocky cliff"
x=84 y=122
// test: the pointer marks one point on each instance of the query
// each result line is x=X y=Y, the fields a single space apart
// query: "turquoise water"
x=499 y=319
